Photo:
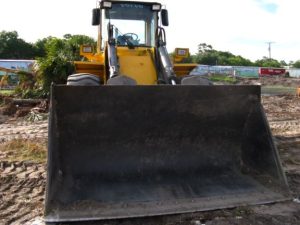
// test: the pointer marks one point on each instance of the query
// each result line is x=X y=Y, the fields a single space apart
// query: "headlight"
x=182 y=52
x=87 y=49
x=156 y=7
x=105 y=5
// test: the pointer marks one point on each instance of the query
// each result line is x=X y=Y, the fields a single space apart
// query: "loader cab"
x=131 y=24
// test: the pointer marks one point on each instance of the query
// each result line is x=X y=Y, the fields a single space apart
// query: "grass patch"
x=7 y=92
x=24 y=150
x=222 y=78
x=278 y=89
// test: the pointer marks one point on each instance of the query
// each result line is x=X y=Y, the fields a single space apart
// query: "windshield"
x=133 y=24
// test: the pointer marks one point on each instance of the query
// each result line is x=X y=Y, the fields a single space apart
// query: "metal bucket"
x=136 y=151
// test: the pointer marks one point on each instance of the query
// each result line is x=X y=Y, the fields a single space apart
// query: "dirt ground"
x=22 y=183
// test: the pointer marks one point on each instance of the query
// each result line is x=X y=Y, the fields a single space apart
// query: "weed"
x=242 y=211
x=24 y=150
x=34 y=117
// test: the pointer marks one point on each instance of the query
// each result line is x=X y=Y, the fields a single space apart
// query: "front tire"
x=121 y=80
x=196 y=80
x=83 y=79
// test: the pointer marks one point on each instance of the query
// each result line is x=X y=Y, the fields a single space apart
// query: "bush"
x=58 y=64
x=54 y=70
x=31 y=93
x=28 y=87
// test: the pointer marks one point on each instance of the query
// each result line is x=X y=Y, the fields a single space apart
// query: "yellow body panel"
x=183 y=69
x=137 y=63
x=96 y=68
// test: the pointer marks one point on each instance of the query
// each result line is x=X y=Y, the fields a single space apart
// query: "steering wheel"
x=134 y=36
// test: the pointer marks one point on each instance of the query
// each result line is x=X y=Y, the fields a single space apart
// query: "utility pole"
x=270 y=44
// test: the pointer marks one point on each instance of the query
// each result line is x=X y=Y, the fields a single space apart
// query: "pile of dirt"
x=20 y=108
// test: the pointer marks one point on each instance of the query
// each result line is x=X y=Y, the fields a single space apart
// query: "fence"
x=238 y=71
x=294 y=73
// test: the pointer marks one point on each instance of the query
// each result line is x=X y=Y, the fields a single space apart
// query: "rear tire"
x=83 y=79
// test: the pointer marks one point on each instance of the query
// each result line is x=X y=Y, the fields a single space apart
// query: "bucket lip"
x=59 y=218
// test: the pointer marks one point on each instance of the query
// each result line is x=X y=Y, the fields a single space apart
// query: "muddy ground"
x=22 y=183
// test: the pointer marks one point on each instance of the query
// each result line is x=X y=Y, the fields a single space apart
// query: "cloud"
x=270 y=7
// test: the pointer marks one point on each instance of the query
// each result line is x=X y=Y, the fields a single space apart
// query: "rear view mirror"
x=164 y=17
x=96 y=17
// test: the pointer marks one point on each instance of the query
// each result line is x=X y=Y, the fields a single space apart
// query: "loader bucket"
x=136 y=151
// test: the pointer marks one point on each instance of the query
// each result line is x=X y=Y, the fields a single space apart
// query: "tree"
x=283 y=63
x=296 y=64
x=73 y=43
x=209 y=56
x=13 y=47
x=40 y=47
x=266 y=62
x=239 y=61
x=203 y=47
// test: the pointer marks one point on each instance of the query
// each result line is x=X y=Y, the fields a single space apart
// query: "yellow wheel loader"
x=128 y=138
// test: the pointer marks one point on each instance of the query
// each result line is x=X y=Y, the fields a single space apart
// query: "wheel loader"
x=129 y=138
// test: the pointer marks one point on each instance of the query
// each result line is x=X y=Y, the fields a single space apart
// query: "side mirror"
x=96 y=17
x=164 y=17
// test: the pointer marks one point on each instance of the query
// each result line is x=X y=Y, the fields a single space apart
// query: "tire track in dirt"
x=23 y=130
x=23 y=195
x=21 y=217
x=288 y=128
x=22 y=184
x=289 y=149
x=283 y=113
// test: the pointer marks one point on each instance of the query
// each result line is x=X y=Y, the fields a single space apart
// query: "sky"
x=242 y=27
